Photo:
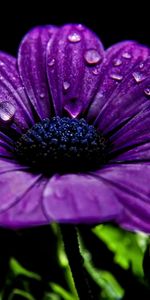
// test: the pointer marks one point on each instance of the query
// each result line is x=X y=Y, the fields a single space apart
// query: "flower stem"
x=76 y=262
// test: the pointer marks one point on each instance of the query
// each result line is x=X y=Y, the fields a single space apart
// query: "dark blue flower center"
x=62 y=145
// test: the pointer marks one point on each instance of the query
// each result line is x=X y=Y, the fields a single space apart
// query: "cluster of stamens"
x=62 y=145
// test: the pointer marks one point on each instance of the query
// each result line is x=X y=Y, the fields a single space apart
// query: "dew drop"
x=42 y=95
x=138 y=77
x=80 y=27
x=117 y=62
x=74 y=37
x=73 y=107
x=92 y=57
x=126 y=55
x=95 y=72
x=51 y=62
x=66 y=85
x=147 y=91
x=141 y=65
x=117 y=77
x=7 y=111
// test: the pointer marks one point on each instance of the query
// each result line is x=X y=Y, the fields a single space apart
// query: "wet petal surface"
x=32 y=68
x=74 y=58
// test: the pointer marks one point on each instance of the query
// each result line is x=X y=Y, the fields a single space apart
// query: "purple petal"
x=28 y=211
x=6 y=146
x=79 y=199
x=112 y=103
x=74 y=57
x=31 y=62
x=130 y=186
x=13 y=185
x=134 y=154
x=132 y=135
x=21 y=194
x=7 y=165
x=14 y=105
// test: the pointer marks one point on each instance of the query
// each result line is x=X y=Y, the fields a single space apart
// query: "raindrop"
x=42 y=95
x=126 y=55
x=141 y=65
x=95 y=72
x=117 y=77
x=138 y=77
x=147 y=91
x=51 y=62
x=74 y=37
x=92 y=57
x=117 y=62
x=66 y=85
x=80 y=27
x=73 y=107
x=7 y=111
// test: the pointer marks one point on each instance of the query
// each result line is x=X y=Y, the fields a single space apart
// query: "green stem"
x=70 y=238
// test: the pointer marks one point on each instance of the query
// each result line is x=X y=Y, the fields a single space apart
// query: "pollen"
x=62 y=145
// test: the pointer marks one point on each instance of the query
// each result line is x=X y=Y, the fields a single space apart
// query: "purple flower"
x=74 y=131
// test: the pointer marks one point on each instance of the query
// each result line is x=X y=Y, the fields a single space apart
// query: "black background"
x=113 y=23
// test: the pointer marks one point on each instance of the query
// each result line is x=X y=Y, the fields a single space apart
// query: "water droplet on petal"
x=73 y=107
x=138 y=77
x=117 y=62
x=92 y=57
x=1 y=63
x=51 y=62
x=117 y=77
x=80 y=27
x=95 y=72
x=66 y=85
x=74 y=37
x=7 y=111
x=126 y=55
x=147 y=91
x=141 y=65
x=42 y=95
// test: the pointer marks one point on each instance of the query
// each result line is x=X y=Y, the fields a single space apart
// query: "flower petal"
x=28 y=211
x=134 y=154
x=112 y=104
x=135 y=133
x=77 y=198
x=130 y=186
x=13 y=184
x=6 y=146
x=21 y=193
x=7 y=165
x=74 y=57
x=31 y=62
x=14 y=105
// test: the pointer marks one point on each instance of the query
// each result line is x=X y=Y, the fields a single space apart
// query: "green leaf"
x=111 y=289
x=128 y=247
x=17 y=269
x=22 y=294
x=51 y=296
x=62 y=292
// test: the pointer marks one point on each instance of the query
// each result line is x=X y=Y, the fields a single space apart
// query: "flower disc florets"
x=62 y=144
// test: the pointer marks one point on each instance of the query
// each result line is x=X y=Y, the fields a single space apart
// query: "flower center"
x=62 y=145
